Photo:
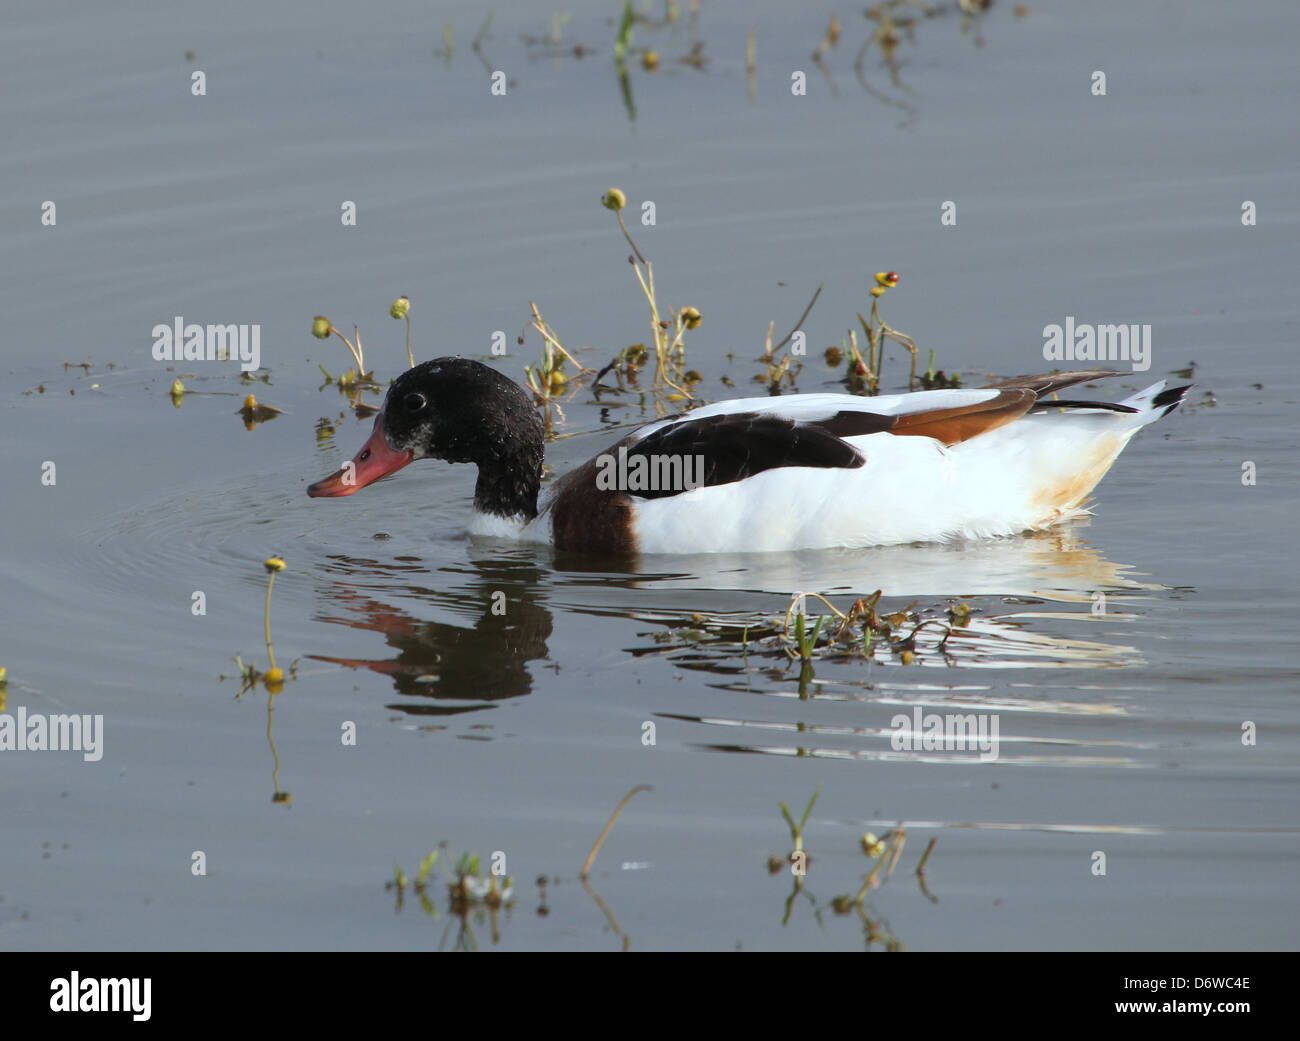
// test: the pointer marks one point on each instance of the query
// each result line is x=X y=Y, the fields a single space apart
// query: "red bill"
x=375 y=460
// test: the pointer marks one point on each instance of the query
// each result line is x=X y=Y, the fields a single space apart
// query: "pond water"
x=1123 y=656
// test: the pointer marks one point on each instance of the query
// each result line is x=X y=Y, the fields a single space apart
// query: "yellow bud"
x=250 y=403
x=273 y=564
x=178 y=388
x=691 y=317
x=907 y=657
x=877 y=290
x=275 y=676
x=871 y=845
x=401 y=307
x=613 y=200
x=321 y=327
x=558 y=381
x=650 y=61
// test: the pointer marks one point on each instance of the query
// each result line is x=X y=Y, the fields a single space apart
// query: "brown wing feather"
x=1051 y=382
x=951 y=425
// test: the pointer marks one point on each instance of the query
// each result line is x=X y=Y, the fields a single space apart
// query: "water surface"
x=1121 y=731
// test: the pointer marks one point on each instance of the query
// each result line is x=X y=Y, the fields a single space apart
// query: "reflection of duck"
x=485 y=662
x=1053 y=565
x=804 y=471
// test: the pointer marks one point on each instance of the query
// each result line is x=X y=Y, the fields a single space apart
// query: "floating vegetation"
x=274 y=677
x=878 y=630
x=674 y=384
x=470 y=894
x=551 y=44
x=865 y=632
x=654 y=39
x=798 y=856
x=273 y=566
x=779 y=367
x=667 y=333
x=356 y=380
x=884 y=851
x=863 y=373
x=548 y=380
x=252 y=411
x=353 y=383
x=322 y=327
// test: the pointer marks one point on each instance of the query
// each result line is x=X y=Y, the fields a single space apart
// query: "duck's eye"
x=414 y=402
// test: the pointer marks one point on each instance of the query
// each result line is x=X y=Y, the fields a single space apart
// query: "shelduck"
x=804 y=471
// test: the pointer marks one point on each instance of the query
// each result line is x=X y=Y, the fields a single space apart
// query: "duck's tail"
x=1077 y=441
x=1156 y=402
x=1146 y=406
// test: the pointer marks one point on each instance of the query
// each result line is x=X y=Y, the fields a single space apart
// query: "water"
x=1121 y=731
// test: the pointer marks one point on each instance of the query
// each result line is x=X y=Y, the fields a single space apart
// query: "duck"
x=766 y=474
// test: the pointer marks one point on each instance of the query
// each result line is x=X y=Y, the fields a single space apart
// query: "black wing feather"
x=743 y=444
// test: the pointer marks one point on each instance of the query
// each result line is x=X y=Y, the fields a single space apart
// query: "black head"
x=462 y=411
x=459 y=410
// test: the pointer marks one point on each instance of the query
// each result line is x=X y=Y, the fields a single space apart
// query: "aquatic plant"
x=667 y=334
x=548 y=381
x=273 y=565
x=274 y=676
x=322 y=327
x=253 y=412
x=796 y=830
x=402 y=309
x=469 y=894
x=600 y=839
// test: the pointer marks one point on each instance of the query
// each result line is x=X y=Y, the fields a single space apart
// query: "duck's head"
x=461 y=411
